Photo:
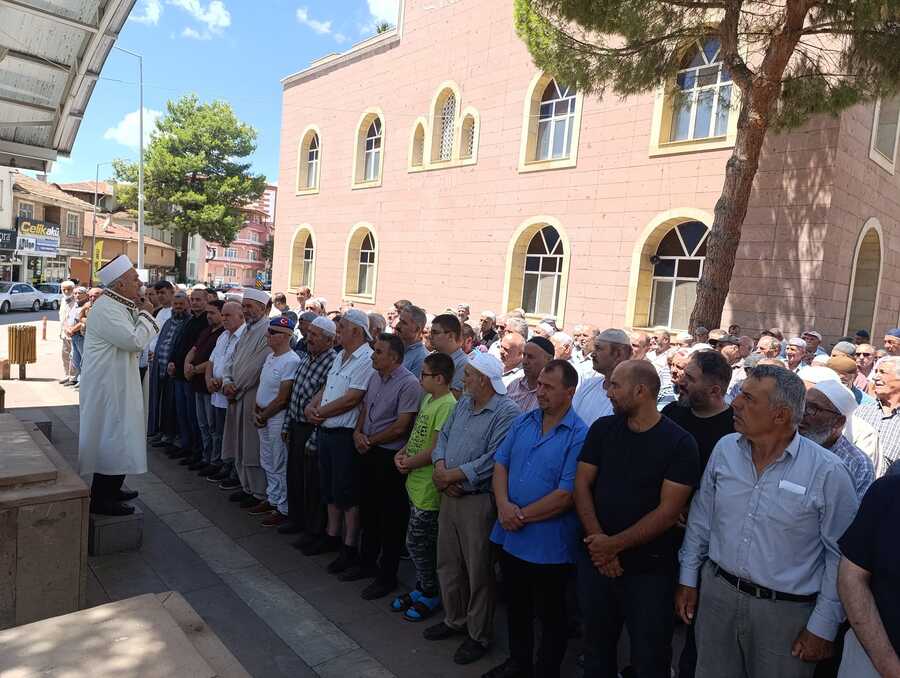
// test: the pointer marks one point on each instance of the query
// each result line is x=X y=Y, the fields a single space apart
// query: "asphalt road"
x=21 y=317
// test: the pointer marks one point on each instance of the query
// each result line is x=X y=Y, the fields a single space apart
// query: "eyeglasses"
x=813 y=410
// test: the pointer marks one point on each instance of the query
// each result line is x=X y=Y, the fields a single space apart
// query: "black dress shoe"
x=440 y=631
x=508 y=669
x=377 y=589
x=222 y=473
x=249 y=502
x=240 y=495
x=230 y=484
x=290 y=528
x=208 y=471
x=127 y=495
x=357 y=572
x=346 y=558
x=197 y=465
x=189 y=458
x=306 y=540
x=112 y=508
x=324 y=544
x=470 y=651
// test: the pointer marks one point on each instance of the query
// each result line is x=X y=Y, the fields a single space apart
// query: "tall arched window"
x=467 y=139
x=543 y=273
x=309 y=161
x=312 y=163
x=417 y=158
x=703 y=94
x=448 y=122
x=366 y=278
x=865 y=279
x=361 y=269
x=303 y=257
x=556 y=120
x=677 y=266
x=373 y=151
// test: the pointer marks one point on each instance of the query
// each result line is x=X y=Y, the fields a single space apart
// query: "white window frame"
x=372 y=152
x=70 y=232
x=252 y=255
x=875 y=154
x=231 y=253
x=312 y=163
x=675 y=278
x=254 y=236
x=309 y=256
x=693 y=95
x=366 y=260
x=555 y=253
x=554 y=120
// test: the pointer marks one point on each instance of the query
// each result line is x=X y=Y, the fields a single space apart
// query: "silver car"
x=19 y=296
x=51 y=294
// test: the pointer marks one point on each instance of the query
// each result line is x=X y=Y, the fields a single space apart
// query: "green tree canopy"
x=789 y=59
x=195 y=177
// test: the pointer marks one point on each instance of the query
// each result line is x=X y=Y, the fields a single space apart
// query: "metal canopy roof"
x=51 y=54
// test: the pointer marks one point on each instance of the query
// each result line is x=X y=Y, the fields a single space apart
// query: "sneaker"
x=345 y=559
x=208 y=471
x=65 y=382
x=220 y=475
x=469 y=651
x=274 y=519
x=252 y=502
x=378 y=589
x=230 y=484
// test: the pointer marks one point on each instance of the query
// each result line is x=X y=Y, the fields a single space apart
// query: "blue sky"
x=233 y=50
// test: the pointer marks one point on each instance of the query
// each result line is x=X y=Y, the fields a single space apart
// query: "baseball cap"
x=282 y=324
x=490 y=367
x=845 y=347
x=798 y=342
x=308 y=316
x=813 y=333
x=728 y=339
x=893 y=333
x=358 y=318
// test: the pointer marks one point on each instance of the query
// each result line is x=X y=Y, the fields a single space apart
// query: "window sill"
x=691 y=146
x=360 y=298
x=442 y=165
x=360 y=185
x=880 y=160
x=307 y=191
x=542 y=165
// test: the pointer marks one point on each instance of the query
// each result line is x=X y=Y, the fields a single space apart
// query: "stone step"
x=114 y=534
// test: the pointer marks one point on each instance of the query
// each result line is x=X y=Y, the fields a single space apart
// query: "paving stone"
x=358 y=663
x=126 y=575
x=185 y=521
x=273 y=550
x=162 y=499
x=227 y=516
x=95 y=594
x=220 y=552
x=114 y=534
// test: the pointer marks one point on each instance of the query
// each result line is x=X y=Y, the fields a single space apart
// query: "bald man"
x=511 y=351
x=629 y=506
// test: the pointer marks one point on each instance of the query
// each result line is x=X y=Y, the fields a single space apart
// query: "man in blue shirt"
x=536 y=529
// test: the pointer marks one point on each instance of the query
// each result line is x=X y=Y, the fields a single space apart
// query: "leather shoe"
x=190 y=459
x=208 y=471
x=161 y=443
x=127 y=495
x=260 y=508
x=290 y=527
x=346 y=558
x=240 y=495
x=249 y=502
x=230 y=484
x=508 y=669
x=469 y=651
x=357 y=572
x=440 y=631
x=324 y=544
x=221 y=474
x=197 y=465
x=112 y=508
x=377 y=589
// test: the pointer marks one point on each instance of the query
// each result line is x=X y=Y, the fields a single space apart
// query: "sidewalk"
x=278 y=611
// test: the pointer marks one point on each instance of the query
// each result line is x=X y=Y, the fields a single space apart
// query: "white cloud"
x=320 y=27
x=385 y=10
x=214 y=16
x=149 y=12
x=127 y=131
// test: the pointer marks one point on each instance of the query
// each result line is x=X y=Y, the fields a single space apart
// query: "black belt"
x=762 y=592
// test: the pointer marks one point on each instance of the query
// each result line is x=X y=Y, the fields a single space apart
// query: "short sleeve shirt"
x=707 y=431
x=432 y=415
x=276 y=369
x=631 y=468
x=387 y=399
x=460 y=360
x=354 y=374
x=871 y=543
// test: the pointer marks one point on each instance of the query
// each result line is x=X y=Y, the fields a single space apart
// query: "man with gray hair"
x=884 y=415
x=410 y=324
x=584 y=347
x=611 y=347
x=769 y=346
x=764 y=527
x=67 y=287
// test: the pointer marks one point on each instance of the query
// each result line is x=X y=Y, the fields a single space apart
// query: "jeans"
x=205 y=423
x=218 y=430
x=384 y=513
x=535 y=591
x=77 y=352
x=186 y=410
x=644 y=603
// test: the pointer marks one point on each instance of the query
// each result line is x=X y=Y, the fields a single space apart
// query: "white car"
x=19 y=296
x=51 y=294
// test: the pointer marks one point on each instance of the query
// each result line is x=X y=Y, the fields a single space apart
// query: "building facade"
x=240 y=263
x=475 y=177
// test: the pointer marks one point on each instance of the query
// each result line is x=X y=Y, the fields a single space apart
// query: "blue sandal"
x=406 y=601
x=422 y=608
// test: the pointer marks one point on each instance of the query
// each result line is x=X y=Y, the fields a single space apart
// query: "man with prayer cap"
x=829 y=406
x=892 y=341
x=611 y=347
x=240 y=441
x=113 y=421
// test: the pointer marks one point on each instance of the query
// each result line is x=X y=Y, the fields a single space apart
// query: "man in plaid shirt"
x=306 y=511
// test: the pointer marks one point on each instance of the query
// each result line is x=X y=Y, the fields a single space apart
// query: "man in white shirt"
x=223 y=353
x=67 y=287
x=611 y=347
x=335 y=410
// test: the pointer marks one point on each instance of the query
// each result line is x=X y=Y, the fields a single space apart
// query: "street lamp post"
x=94 y=219
x=140 y=261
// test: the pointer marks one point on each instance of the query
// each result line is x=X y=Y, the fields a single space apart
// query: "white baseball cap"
x=490 y=367
x=359 y=318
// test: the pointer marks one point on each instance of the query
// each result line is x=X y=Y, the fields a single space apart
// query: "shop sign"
x=38 y=238
x=7 y=239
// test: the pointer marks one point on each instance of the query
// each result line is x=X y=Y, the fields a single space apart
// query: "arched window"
x=677 y=266
x=556 y=120
x=303 y=257
x=418 y=146
x=443 y=123
x=308 y=161
x=467 y=141
x=362 y=264
x=865 y=280
x=448 y=122
x=373 y=151
x=543 y=273
x=703 y=94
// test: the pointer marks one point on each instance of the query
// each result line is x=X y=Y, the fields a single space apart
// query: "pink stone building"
x=436 y=162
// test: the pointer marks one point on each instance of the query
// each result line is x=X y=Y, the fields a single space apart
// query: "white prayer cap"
x=254 y=294
x=488 y=314
x=115 y=269
x=816 y=374
x=490 y=367
x=820 y=360
x=701 y=347
x=683 y=337
x=199 y=286
x=839 y=395
x=80 y=290
x=325 y=324
x=358 y=318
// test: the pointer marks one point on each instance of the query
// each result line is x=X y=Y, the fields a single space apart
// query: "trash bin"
x=22 y=346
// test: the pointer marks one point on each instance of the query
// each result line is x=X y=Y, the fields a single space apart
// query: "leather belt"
x=751 y=589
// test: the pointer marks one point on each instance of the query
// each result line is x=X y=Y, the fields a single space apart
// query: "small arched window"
x=467 y=140
x=312 y=163
x=418 y=146
x=366 y=279
x=543 y=273
x=309 y=161
x=702 y=94
x=556 y=121
x=677 y=266
x=303 y=257
x=373 y=151
x=448 y=122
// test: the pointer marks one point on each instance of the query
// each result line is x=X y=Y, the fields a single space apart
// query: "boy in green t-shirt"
x=414 y=461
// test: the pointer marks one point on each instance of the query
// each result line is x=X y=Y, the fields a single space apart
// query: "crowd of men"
x=746 y=487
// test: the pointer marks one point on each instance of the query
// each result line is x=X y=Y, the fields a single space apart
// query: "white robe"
x=113 y=419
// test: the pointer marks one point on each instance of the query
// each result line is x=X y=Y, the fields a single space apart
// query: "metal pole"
x=94 y=228
x=140 y=261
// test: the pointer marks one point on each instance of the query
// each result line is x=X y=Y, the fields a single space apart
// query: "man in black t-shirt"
x=185 y=404
x=702 y=412
x=869 y=584
x=636 y=472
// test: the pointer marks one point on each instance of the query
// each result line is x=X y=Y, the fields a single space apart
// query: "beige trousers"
x=465 y=564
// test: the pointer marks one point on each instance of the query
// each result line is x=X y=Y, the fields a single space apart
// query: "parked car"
x=52 y=295
x=19 y=296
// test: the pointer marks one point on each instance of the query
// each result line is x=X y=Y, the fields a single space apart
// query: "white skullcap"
x=547 y=328
x=839 y=395
x=614 y=336
x=700 y=347
x=254 y=294
x=115 y=269
x=67 y=283
x=816 y=374
x=488 y=314
x=325 y=324
x=199 y=286
x=563 y=338
x=490 y=367
x=820 y=360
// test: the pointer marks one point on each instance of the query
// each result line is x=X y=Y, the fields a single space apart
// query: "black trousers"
x=536 y=591
x=105 y=489
x=305 y=507
x=643 y=602
x=384 y=513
